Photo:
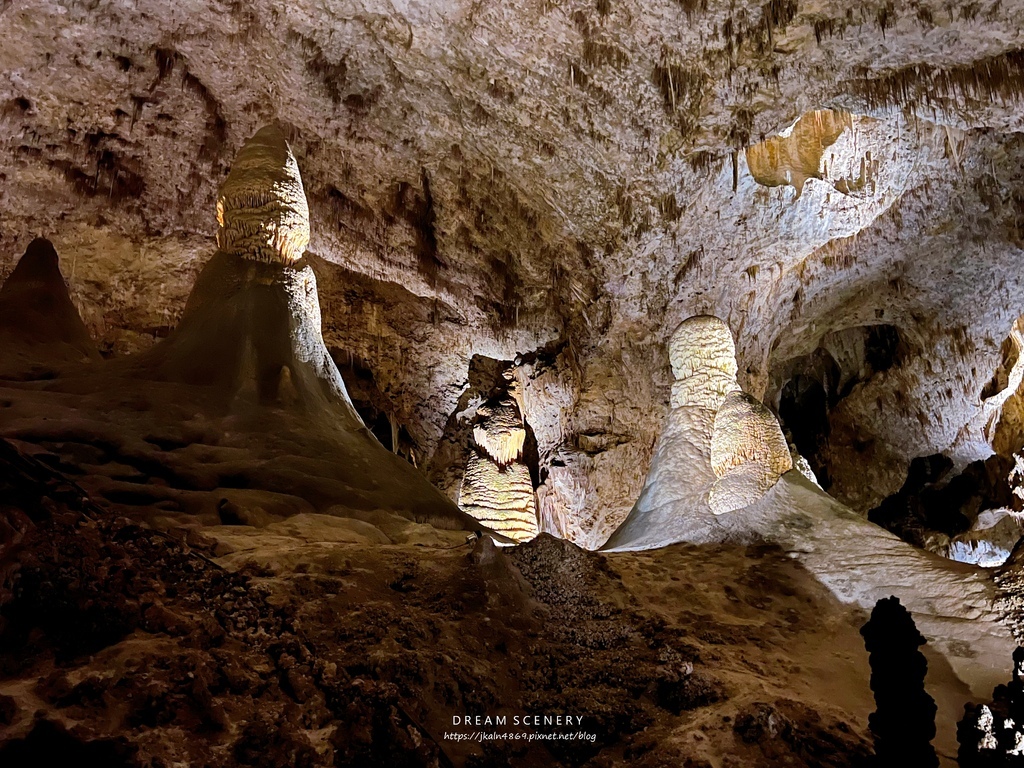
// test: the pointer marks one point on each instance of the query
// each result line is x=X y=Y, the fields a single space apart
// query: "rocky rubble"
x=137 y=646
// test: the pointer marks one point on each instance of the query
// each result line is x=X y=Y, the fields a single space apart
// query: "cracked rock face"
x=557 y=186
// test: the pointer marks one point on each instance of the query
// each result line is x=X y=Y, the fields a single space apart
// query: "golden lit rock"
x=497 y=488
x=262 y=210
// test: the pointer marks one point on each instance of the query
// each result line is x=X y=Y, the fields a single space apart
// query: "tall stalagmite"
x=36 y=312
x=903 y=722
x=252 y=324
x=497 y=489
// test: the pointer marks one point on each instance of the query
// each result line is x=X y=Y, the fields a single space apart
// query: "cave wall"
x=558 y=184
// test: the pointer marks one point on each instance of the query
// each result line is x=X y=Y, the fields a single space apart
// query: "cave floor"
x=317 y=641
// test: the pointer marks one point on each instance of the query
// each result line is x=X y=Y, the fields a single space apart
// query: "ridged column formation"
x=262 y=209
x=497 y=489
x=703 y=358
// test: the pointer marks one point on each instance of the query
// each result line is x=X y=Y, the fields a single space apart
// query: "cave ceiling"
x=559 y=184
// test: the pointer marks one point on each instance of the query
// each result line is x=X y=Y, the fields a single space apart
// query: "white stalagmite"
x=723 y=451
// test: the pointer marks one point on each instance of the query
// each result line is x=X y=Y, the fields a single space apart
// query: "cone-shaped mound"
x=39 y=324
x=252 y=322
x=702 y=354
x=252 y=329
x=727 y=458
x=249 y=353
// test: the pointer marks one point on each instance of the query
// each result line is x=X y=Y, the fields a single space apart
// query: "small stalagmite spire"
x=261 y=208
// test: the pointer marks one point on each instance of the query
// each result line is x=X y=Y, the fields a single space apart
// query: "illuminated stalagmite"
x=721 y=449
x=250 y=343
x=261 y=209
x=497 y=489
x=723 y=452
x=748 y=453
x=252 y=323
x=703 y=358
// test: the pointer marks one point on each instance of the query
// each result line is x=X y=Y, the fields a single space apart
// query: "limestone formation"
x=37 y=314
x=903 y=722
x=618 y=167
x=262 y=212
x=799 y=154
x=858 y=562
x=748 y=453
x=252 y=325
x=1010 y=590
x=499 y=432
x=703 y=358
x=497 y=488
x=245 y=374
x=720 y=450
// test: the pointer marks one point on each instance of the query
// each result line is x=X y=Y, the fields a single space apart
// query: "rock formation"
x=992 y=735
x=1009 y=579
x=252 y=322
x=497 y=489
x=36 y=312
x=903 y=724
x=832 y=195
x=262 y=213
x=703 y=359
x=619 y=167
x=859 y=562
x=720 y=449
x=241 y=405
x=748 y=453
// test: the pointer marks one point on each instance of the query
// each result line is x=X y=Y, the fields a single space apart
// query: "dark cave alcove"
x=811 y=386
x=803 y=411
x=883 y=348
x=932 y=499
x=531 y=454
x=372 y=405
x=49 y=744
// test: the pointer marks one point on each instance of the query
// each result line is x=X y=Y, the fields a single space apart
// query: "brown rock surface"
x=355 y=653
x=493 y=181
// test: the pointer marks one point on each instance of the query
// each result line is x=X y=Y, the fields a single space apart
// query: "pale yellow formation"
x=797 y=156
x=748 y=453
x=703 y=358
x=497 y=489
x=500 y=433
x=262 y=209
x=501 y=498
